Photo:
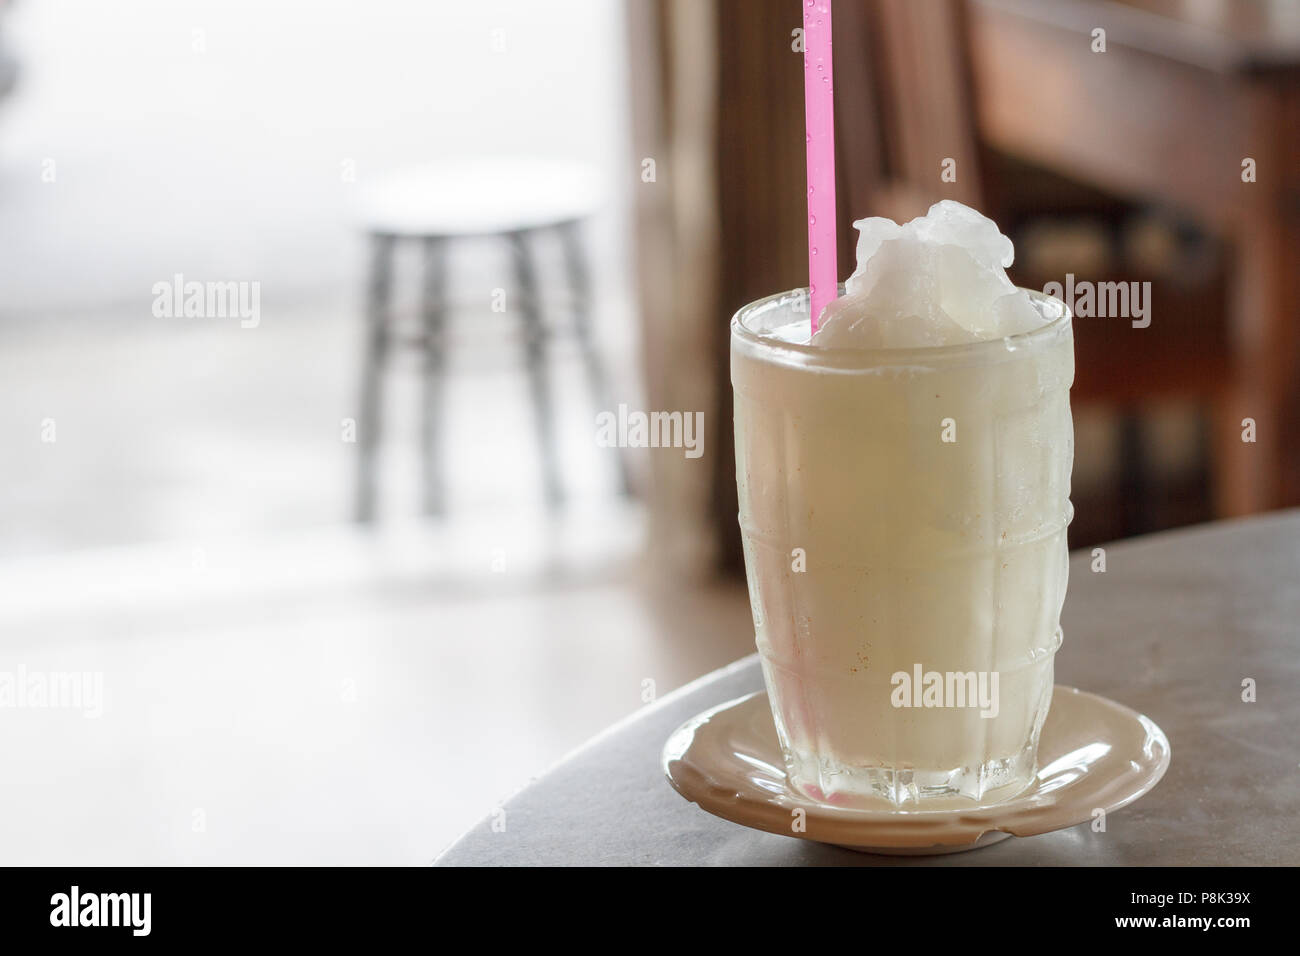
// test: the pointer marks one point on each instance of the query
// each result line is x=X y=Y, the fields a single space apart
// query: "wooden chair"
x=908 y=102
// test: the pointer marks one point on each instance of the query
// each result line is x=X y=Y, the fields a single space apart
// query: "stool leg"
x=368 y=425
x=529 y=304
x=575 y=260
x=433 y=317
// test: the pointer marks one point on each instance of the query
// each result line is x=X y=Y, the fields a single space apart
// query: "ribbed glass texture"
x=905 y=512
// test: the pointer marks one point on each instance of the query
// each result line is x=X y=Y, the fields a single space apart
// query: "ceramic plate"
x=1094 y=754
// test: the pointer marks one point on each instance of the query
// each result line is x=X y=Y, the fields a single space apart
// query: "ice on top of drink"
x=937 y=280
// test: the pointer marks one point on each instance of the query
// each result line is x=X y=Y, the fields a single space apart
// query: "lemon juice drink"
x=904 y=481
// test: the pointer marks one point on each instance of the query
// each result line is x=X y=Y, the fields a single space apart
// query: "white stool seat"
x=478 y=197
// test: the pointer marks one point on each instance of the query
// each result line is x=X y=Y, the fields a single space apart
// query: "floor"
x=330 y=697
x=298 y=688
x=278 y=685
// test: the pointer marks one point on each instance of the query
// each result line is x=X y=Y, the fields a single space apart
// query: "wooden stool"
x=514 y=200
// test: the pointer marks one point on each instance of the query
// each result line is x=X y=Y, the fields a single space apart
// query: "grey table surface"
x=1172 y=628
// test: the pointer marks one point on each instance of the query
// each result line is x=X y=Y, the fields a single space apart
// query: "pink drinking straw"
x=819 y=116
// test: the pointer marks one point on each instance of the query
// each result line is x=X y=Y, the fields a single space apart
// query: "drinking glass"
x=904 y=517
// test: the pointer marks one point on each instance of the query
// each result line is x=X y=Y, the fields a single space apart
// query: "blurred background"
x=308 y=310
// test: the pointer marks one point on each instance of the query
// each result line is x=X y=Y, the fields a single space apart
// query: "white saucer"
x=1094 y=754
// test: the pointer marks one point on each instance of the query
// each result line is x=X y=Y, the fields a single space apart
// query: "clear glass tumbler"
x=904 y=517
